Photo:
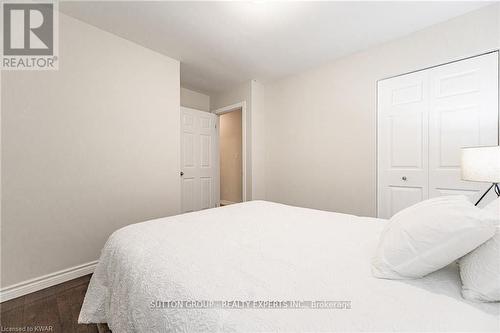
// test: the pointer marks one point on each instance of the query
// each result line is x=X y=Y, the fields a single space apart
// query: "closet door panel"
x=424 y=119
x=404 y=196
x=463 y=112
x=402 y=142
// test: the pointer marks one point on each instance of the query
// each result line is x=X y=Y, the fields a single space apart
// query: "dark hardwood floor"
x=57 y=306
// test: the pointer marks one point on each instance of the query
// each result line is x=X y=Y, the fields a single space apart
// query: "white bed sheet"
x=266 y=251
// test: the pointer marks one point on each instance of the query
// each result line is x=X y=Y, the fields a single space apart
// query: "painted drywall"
x=321 y=151
x=86 y=150
x=230 y=138
x=241 y=93
x=259 y=136
x=225 y=42
x=195 y=100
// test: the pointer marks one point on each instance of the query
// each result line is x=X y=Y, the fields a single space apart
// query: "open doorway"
x=231 y=131
x=231 y=166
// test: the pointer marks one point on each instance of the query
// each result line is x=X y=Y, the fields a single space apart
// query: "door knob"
x=182 y=173
x=404 y=178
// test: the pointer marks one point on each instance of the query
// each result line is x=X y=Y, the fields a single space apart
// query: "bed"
x=263 y=251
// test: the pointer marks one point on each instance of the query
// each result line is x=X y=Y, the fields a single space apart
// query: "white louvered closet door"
x=424 y=118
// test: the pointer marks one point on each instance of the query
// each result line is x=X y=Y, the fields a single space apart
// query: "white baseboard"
x=226 y=202
x=49 y=280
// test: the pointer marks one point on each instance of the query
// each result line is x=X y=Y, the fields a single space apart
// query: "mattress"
x=258 y=252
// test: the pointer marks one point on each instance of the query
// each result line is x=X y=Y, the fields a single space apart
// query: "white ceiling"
x=221 y=44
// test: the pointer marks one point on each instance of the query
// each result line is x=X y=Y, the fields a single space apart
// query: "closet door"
x=463 y=112
x=403 y=104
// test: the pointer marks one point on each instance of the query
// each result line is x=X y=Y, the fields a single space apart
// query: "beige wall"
x=241 y=93
x=259 y=137
x=195 y=100
x=85 y=150
x=321 y=148
x=230 y=136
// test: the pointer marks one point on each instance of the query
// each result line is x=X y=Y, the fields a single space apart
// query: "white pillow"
x=480 y=269
x=430 y=235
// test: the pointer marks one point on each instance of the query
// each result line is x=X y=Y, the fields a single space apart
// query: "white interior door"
x=463 y=113
x=402 y=142
x=198 y=160
x=424 y=119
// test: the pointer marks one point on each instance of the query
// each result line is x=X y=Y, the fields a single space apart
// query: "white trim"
x=217 y=163
x=230 y=108
x=243 y=106
x=49 y=280
x=455 y=59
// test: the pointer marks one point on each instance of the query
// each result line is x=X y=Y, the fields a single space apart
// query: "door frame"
x=230 y=108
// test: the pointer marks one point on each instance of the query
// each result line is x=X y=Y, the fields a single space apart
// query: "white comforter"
x=266 y=251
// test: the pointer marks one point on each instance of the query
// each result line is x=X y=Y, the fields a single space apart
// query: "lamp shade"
x=481 y=164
